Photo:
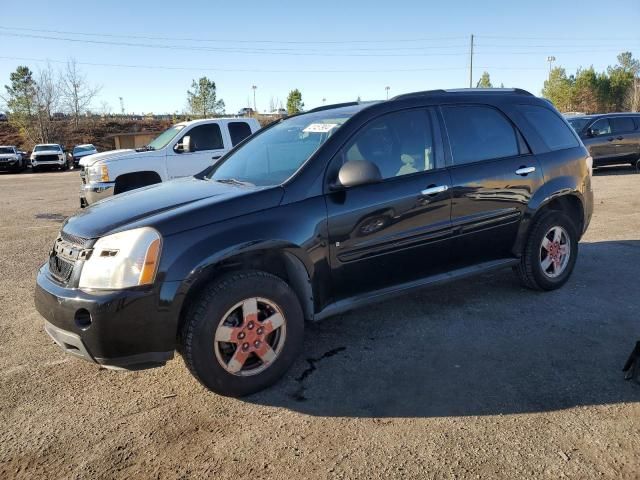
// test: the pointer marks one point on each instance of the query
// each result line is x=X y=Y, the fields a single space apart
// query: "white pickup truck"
x=184 y=149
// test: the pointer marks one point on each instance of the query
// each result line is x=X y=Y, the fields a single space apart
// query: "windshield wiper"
x=234 y=181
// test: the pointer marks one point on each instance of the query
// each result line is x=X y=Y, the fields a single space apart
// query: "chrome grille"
x=60 y=268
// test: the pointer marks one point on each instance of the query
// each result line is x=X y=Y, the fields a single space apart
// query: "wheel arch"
x=286 y=262
x=569 y=201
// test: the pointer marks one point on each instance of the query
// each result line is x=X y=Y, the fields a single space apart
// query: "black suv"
x=317 y=214
x=611 y=139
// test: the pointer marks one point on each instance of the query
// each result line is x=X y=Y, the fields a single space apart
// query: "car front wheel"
x=242 y=333
x=550 y=252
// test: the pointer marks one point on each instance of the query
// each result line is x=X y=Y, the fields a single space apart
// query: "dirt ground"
x=477 y=379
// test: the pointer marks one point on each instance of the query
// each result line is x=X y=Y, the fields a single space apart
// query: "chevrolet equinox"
x=319 y=213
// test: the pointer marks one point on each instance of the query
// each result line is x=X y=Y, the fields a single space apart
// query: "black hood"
x=171 y=207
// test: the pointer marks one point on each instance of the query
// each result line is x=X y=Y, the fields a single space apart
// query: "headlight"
x=124 y=259
x=98 y=173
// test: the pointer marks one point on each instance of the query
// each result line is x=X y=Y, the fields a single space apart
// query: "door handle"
x=215 y=157
x=610 y=139
x=524 y=171
x=620 y=138
x=434 y=190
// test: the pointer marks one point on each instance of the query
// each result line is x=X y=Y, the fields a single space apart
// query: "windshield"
x=84 y=148
x=6 y=150
x=44 y=148
x=276 y=154
x=578 y=123
x=165 y=137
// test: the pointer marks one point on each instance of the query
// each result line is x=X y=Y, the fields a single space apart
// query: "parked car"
x=3 y=117
x=247 y=111
x=11 y=158
x=81 y=151
x=48 y=155
x=319 y=213
x=184 y=149
x=612 y=138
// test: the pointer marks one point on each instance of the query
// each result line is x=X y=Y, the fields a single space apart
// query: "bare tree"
x=78 y=93
x=48 y=101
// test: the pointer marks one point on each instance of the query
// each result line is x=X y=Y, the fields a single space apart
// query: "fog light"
x=83 y=318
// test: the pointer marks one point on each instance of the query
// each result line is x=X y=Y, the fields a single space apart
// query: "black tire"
x=529 y=269
x=34 y=169
x=204 y=316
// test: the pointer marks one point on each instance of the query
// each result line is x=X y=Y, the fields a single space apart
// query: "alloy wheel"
x=250 y=336
x=555 y=251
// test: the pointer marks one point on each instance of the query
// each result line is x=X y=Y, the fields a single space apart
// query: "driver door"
x=206 y=146
x=399 y=229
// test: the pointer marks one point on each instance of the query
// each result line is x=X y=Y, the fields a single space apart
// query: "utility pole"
x=387 y=88
x=471 y=63
x=255 y=110
x=121 y=105
x=324 y=100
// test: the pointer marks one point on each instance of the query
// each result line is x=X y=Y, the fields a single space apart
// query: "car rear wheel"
x=242 y=333
x=550 y=252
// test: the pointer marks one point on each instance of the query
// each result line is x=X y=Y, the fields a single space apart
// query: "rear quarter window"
x=555 y=133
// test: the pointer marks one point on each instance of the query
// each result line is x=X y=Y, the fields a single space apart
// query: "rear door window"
x=555 y=133
x=206 y=137
x=622 y=124
x=478 y=132
x=238 y=132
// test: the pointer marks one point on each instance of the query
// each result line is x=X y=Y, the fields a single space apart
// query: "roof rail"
x=428 y=93
x=335 y=105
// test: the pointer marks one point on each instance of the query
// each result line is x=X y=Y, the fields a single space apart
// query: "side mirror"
x=592 y=132
x=358 y=172
x=184 y=146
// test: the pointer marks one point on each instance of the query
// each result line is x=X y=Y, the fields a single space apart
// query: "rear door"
x=396 y=230
x=600 y=145
x=493 y=176
x=627 y=138
x=207 y=145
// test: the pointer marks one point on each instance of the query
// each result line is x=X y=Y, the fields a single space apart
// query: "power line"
x=233 y=70
x=200 y=39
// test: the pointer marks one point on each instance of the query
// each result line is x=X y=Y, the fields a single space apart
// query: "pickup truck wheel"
x=550 y=252
x=242 y=333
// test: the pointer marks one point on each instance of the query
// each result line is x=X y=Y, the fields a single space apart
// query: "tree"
x=294 y=102
x=77 y=93
x=202 y=98
x=21 y=100
x=48 y=101
x=622 y=80
x=558 y=89
x=485 y=81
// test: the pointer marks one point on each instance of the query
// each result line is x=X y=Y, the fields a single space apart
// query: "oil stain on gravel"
x=298 y=395
x=56 y=217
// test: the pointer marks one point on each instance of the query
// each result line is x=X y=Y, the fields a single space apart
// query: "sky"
x=148 y=52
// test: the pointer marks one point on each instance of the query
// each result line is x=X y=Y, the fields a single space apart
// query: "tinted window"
x=205 y=137
x=555 y=133
x=601 y=127
x=622 y=124
x=399 y=143
x=479 y=133
x=239 y=131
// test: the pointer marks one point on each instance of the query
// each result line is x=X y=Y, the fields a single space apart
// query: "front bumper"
x=47 y=163
x=93 y=192
x=123 y=329
x=10 y=165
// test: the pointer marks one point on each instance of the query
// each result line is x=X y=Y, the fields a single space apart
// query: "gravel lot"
x=477 y=379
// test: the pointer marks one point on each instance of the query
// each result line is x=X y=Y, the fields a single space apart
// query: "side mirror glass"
x=358 y=172
x=592 y=132
x=184 y=146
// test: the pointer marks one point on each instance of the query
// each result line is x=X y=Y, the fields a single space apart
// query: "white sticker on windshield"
x=320 y=127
